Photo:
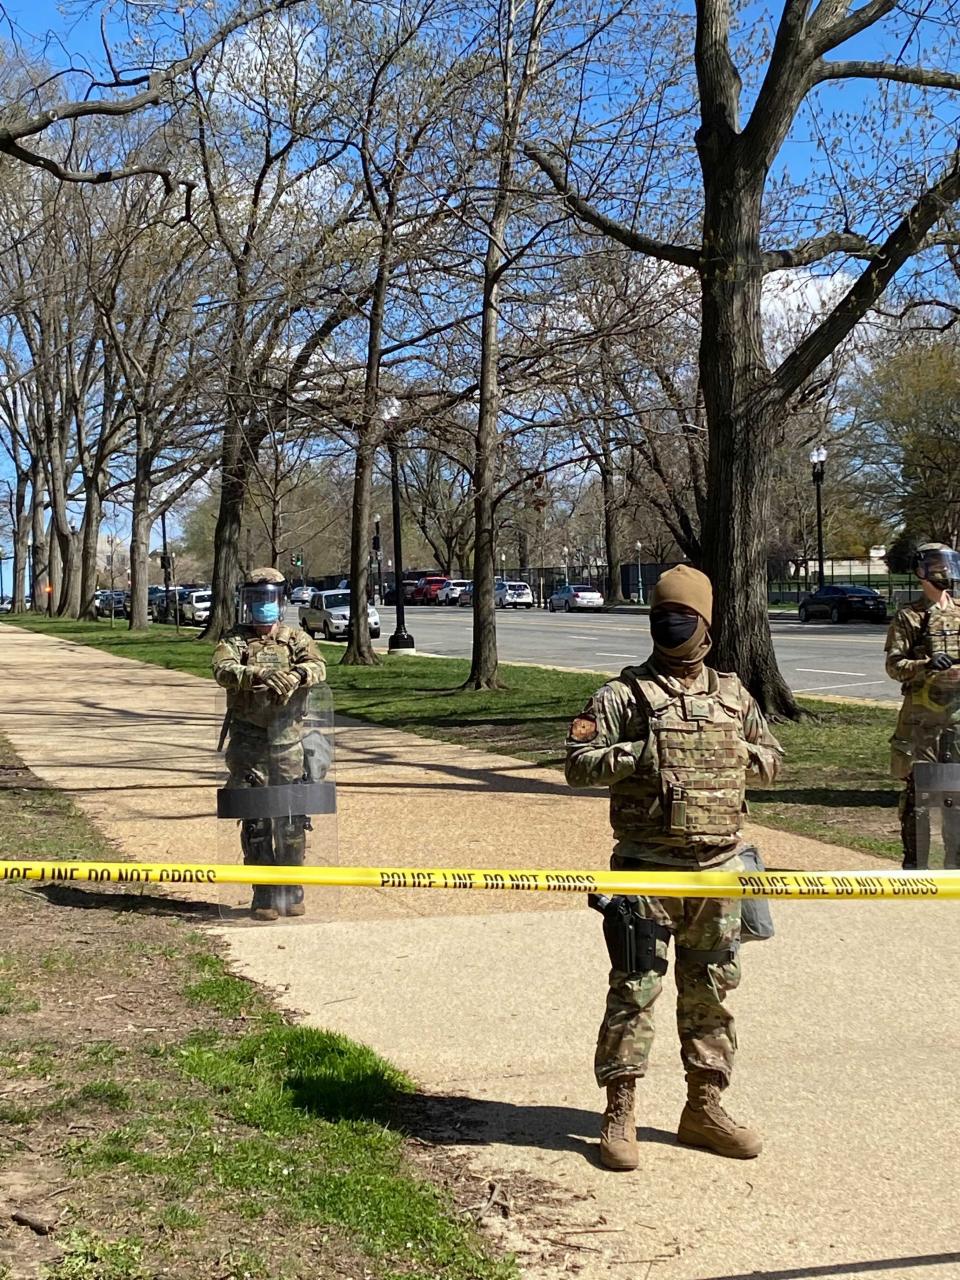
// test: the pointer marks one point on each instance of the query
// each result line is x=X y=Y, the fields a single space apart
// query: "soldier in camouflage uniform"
x=923 y=655
x=264 y=665
x=674 y=742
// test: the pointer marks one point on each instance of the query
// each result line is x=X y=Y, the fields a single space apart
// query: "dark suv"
x=844 y=603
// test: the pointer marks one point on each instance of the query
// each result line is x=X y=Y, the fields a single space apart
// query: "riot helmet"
x=938 y=564
x=262 y=597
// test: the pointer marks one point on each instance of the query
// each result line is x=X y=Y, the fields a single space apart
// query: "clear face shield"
x=278 y=809
x=941 y=567
x=262 y=603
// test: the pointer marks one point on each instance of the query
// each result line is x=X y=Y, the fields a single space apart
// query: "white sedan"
x=575 y=596
x=514 y=595
x=301 y=595
x=450 y=594
x=329 y=613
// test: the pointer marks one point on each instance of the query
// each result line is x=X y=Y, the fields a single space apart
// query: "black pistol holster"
x=630 y=937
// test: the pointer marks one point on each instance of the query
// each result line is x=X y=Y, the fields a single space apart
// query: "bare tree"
x=883 y=225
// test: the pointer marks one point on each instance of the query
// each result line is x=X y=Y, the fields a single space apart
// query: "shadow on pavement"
x=63 y=895
x=847 y=1268
x=462 y=1121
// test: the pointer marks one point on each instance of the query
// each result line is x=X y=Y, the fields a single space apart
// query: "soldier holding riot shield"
x=279 y=742
x=923 y=655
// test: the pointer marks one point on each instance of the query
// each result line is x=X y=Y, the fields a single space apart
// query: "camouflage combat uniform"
x=675 y=757
x=265 y=747
x=928 y=726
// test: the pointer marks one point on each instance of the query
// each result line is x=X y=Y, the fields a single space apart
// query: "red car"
x=427 y=590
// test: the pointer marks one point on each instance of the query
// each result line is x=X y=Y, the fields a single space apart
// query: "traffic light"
x=293 y=559
x=299 y=560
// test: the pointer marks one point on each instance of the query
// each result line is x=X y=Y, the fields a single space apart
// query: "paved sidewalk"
x=848 y=1020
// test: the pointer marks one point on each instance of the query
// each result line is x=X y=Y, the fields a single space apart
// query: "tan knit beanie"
x=684 y=585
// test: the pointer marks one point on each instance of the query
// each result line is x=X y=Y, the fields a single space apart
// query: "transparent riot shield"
x=277 y=810
x=937 y=815
x=936 y=748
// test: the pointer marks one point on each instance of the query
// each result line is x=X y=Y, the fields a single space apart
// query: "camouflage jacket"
x=676 y=758
x=931 y=699
x=242 y=650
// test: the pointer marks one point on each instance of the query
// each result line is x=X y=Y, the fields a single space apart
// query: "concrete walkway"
x=848 y=1021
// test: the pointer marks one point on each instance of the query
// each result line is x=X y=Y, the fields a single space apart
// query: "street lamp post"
x=378 y=552
x=639 y=547
x=818 y=458
x=401 y=641
x=566 y=567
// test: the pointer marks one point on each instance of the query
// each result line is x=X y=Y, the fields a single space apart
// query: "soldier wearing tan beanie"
x=674 y=741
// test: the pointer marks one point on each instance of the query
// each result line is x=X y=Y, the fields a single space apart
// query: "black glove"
x=941 y=662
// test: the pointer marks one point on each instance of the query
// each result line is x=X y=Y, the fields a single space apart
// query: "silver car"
x=329 y=613
x=575 y=596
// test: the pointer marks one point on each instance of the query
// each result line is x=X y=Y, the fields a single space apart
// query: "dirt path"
x=848 y=1020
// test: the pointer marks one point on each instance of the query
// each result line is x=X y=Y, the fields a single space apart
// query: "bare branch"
x=847 y=242
x=682 y=255
x=901 y=244
x=927 y=77
x=158 y=85
x=828 y=34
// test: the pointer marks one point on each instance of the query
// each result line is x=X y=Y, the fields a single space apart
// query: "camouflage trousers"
x=254 y=761
x=707 y=1036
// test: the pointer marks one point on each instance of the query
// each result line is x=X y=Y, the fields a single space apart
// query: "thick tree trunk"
x=140 y=542
x=484 y=658
x=21 y=543
x=54 y=570
x=90 y=537
x=40 y=554
x=241 y=443
x=741 y=418
x=69 y=605
x=611 y=537
x=359 y=652
x=359 y=647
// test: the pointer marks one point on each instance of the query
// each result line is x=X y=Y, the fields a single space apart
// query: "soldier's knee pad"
x=292 y=840
x=256 y=840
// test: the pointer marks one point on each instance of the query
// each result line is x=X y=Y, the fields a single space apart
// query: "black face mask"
x=669 y=630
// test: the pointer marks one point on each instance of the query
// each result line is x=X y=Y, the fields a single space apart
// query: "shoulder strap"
x=651 y=695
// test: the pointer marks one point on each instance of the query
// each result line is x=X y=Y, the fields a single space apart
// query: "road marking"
x=857 y=684
x=600 y=654
x=824 y=671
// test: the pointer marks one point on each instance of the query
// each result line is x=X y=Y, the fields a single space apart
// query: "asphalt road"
x=815 y=657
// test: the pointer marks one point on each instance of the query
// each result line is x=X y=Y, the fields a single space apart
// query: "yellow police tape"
x=662 y=884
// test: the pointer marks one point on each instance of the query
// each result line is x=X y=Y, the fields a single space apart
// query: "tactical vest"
x=258 y=706
x=697 y=797
x=938 y=694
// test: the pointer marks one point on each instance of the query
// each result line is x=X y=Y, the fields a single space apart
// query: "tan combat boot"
x=704 y=1123
x=618 y=1135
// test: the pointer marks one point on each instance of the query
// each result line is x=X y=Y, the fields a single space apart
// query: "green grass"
x=835 y=785
x=88 y=1257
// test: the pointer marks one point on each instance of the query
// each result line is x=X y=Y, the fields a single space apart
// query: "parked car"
x=301 y=595
x=329 y=613
x=427 y=589
x=513 y=595
x=575 y=596
x=196 y=607
x=111 y=602
x=843 y=602
x=6 y=604
x=450 y=594
x=465 y=597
